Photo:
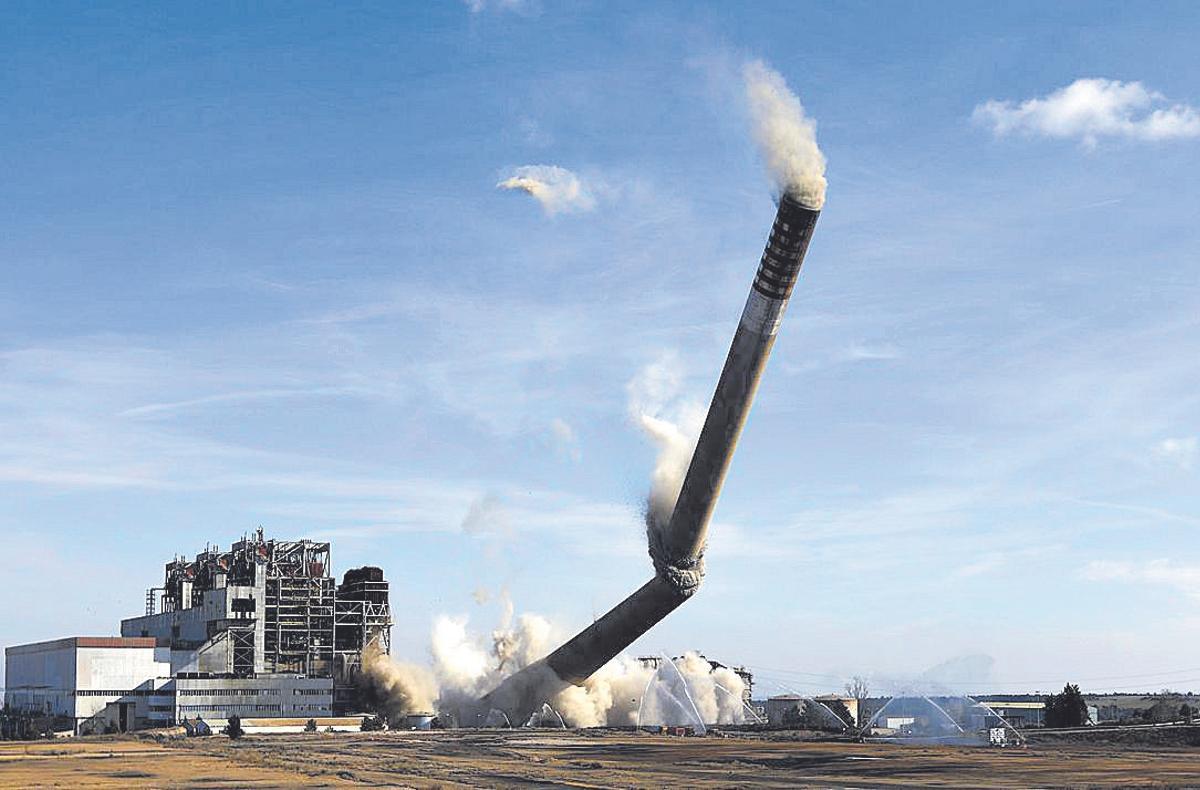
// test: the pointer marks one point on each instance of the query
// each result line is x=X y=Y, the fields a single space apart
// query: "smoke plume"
x=556 y=188
x=786 y=137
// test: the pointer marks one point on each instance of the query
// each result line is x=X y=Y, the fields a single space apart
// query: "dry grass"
x=578 y=759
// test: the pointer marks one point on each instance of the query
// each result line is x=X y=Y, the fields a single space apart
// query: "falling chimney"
x=678 y=549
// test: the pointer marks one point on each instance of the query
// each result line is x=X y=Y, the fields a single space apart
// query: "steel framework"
x=310 y=626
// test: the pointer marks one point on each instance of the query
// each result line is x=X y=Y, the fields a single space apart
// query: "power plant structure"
x=677 y=548
x=261 y=630
x=267 y=606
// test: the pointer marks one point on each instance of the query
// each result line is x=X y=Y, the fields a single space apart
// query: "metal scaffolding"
x=362 y=618
x=309 y=625
x=298 y=608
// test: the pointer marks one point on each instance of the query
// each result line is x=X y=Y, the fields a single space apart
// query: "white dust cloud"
x=466 y=666
x=786 y=137
x=626 y=692
x=672 y=424
x=557 y=189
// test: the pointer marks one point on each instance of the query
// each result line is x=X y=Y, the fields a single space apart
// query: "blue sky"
x=254 y=270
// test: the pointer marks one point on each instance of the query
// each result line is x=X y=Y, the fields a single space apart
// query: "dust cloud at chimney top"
x=786 y=136
x=587 y=680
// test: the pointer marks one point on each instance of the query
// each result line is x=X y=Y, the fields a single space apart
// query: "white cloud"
x=1089 y=109
x=1180 y=451
x=1161 y=572
x=558 y=190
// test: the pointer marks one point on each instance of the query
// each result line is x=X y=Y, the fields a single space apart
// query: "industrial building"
x=259 y=631
x=92 y=681
x=789 y=709
x=1025 y=711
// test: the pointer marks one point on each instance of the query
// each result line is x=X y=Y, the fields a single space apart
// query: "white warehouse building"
x=102 y=683
x=92 y=680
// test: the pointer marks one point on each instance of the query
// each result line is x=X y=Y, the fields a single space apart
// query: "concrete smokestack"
x=777 y=274
x=678 y=549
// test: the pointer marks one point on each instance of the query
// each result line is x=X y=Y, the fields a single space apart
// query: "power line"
x=841 y=678
x=788 y=685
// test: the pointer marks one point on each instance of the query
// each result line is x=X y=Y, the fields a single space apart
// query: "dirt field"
x=578 y=759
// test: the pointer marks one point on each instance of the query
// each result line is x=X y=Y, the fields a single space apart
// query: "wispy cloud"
x=989 y=562
x=523 y=7
x=486 y=515
x=74 y=416
x=558 y=190
x=896 y=514
x=565 y=441
x=487 y=510
x=851 y=354
x=861 y=352
x=1155 y=513
x=159 y=409
x=1181 y=451
x=1090 y=109
x=1159 y=572
x=533 y=133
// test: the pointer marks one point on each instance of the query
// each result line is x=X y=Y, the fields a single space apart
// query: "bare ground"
x=580 y=759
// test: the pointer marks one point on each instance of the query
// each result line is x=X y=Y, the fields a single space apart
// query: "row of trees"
x=1069 y=709
x=1164 y=711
